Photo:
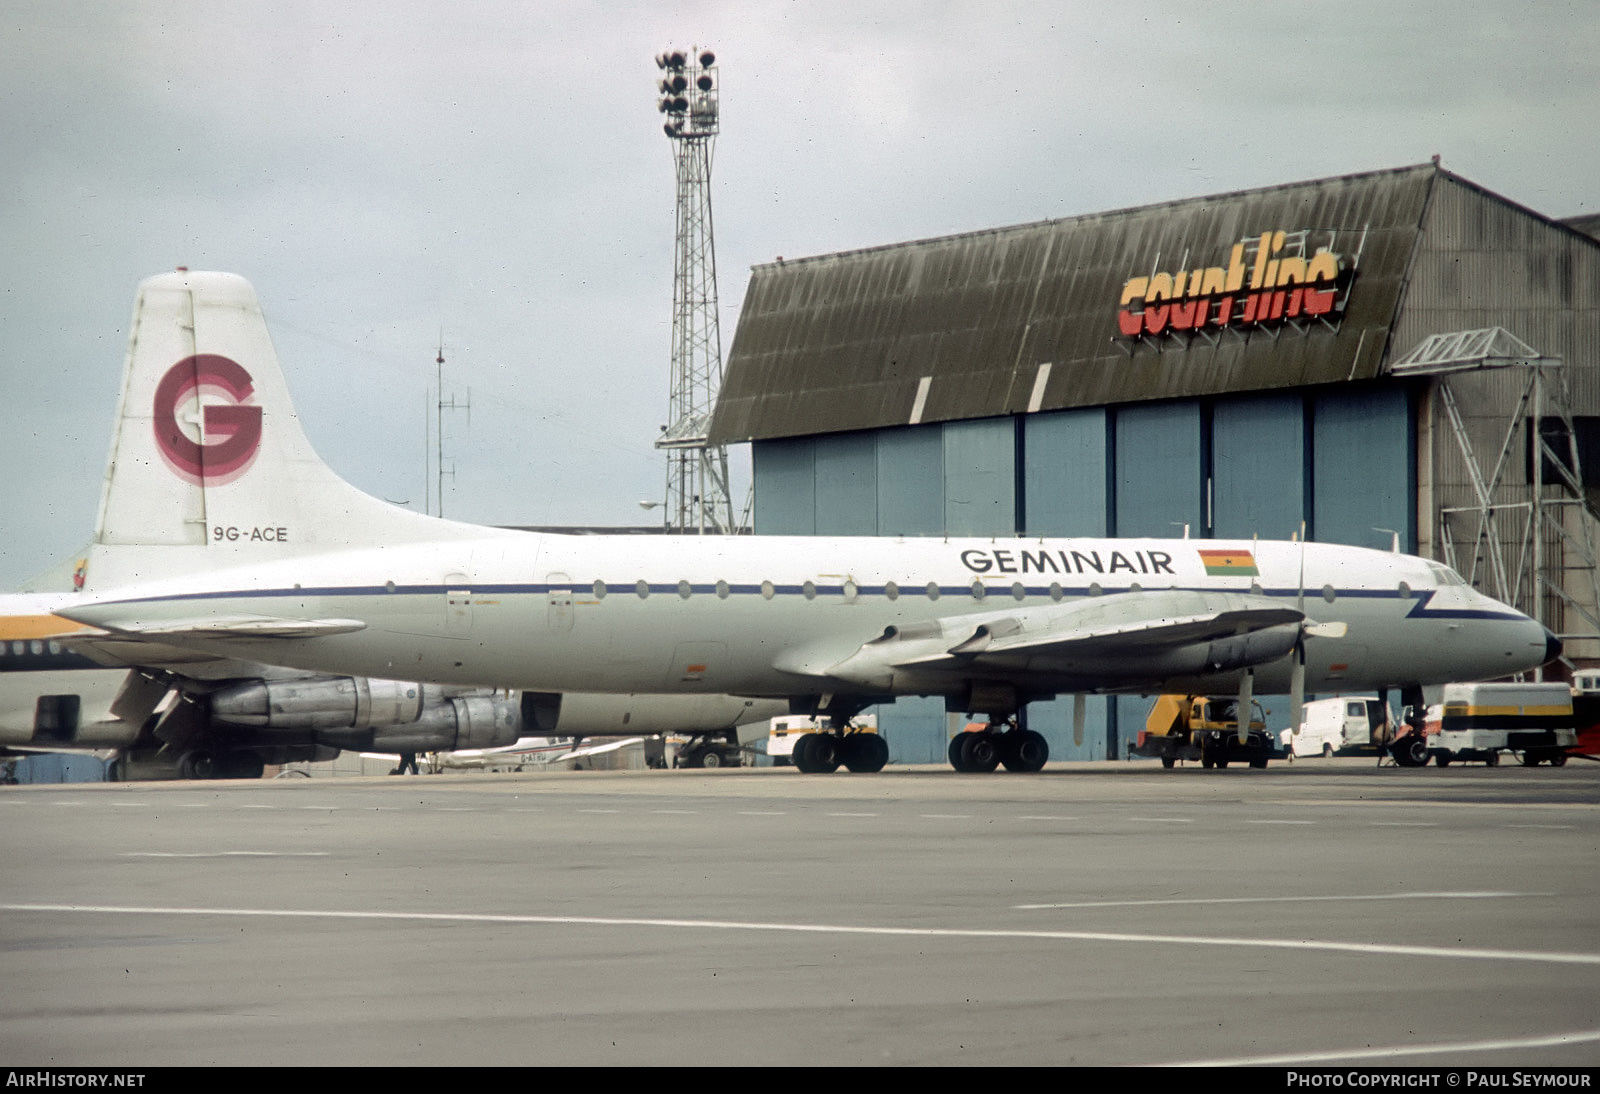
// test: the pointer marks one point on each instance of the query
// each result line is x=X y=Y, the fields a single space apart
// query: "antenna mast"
x=439 y=407
x=697 y=472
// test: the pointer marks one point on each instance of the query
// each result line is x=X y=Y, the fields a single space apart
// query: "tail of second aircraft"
x=208 y=463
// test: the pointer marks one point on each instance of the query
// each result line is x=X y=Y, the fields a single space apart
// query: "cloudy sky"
x=495 y=172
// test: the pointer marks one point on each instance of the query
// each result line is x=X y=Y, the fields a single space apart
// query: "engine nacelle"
x=321 y=703
x=447 y=724
x=1242 y=651
x=361 y=713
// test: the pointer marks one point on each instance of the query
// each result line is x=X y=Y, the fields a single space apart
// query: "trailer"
x=1481 y=721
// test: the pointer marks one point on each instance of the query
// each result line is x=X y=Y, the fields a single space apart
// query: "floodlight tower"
x=697 y=472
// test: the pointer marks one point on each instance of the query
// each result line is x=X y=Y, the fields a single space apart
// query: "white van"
x=1341 y=726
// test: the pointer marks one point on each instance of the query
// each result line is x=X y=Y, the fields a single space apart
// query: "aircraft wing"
x=1120 y=640
x=251 y=627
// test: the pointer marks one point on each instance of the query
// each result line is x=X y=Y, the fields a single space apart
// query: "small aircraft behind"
x=222 y=532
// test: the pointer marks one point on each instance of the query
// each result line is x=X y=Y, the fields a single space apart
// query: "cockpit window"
x=1444 y=575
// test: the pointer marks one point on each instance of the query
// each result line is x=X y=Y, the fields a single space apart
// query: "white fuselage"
x=768 y=616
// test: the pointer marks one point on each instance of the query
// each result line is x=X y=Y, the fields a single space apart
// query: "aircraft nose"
x=1552 y=647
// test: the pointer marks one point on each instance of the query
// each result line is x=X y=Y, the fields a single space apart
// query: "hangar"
x=1397 y=357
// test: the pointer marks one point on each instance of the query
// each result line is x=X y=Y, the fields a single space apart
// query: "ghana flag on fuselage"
x=1225 y=563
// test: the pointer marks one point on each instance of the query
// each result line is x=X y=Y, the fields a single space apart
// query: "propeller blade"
x=1297 y=688
x=1247 y=686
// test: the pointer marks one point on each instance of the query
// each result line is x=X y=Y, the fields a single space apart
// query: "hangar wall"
x=1219 y=363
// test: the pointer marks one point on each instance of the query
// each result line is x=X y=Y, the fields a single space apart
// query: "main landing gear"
x=205 y=764
x=1007 y=743
x=826 y=750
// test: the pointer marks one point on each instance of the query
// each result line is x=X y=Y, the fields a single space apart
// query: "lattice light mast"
x=697 y=472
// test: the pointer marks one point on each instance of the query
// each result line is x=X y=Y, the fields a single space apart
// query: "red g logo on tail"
x=229 y=434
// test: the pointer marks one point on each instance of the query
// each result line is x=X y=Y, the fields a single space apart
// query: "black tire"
x=865 y=753
x=1491 y=759
x=1531 y=758
x=1410 y=751
x=1558 y=760
x=1442 y=757
x=1259 y=763
x=801 y=757
x=710 y=758
x=1169 y=762
x=824 y=753
x=244 y=765
x=979 y=753
x=1024 y=751
x=953 y=753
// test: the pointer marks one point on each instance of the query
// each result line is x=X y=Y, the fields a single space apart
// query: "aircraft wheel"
x=198 y=765
x=1491 y=759
x=801 y=756
x=825 y=753
x=979 y=752
x=1222 y=762
x=1411 y=751
x=1442 y=758
x=1027 y=752
x=953 y=753
x=1206 y=762
x=865 y=753
x=1259 y=763
x=244 y=765
x=1169 y=762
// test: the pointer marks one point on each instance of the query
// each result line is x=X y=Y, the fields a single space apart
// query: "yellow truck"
x=1204 y=728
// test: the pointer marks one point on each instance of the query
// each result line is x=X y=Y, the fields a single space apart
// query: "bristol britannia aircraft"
x=222 y=532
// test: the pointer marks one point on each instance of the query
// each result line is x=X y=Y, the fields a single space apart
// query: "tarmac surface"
x=1325 y=912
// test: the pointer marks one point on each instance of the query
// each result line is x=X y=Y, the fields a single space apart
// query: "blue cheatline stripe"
x=998 y=593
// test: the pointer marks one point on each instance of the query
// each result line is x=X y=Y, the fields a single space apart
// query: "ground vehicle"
x=1342 y=726
x=1479 y=721
x=1586 y=712
x=1200 y=727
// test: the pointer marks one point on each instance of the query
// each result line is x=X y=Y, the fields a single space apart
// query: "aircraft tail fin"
x=209 y=464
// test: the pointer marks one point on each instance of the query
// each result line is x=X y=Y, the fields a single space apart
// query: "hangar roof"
x=1155 y=302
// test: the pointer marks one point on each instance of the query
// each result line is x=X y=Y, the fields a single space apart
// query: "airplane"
x=65 y=687
x=222 y=532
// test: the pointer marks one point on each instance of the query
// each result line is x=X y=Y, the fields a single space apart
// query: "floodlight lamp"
x=707 y=59
x=661 y=60
x=703 y=83
x=676 y=60
x=662 y=105
x=679 y=83
x=679 y=105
